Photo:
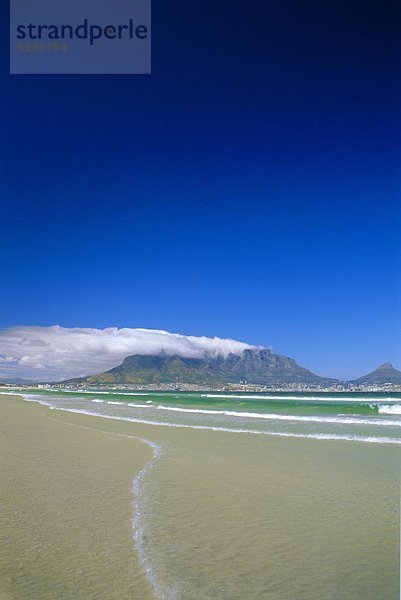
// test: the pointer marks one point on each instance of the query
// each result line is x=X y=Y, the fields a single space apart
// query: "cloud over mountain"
x=53 y=353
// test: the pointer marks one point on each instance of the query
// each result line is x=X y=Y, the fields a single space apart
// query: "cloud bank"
x=56 y=353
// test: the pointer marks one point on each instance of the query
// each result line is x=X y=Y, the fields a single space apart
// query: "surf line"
x=304 y=436
x=138 y=494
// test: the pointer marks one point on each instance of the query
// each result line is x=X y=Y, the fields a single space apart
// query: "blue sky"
x=249 y=188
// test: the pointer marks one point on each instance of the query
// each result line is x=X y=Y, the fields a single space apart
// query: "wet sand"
x=66 y=507
x=225 y=516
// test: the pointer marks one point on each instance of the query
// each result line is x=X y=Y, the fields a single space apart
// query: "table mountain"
x=258 y=366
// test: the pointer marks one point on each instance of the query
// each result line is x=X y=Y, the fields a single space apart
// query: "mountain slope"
x=259 y=366
x=386 y=373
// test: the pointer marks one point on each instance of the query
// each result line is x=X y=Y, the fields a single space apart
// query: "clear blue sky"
x=248 y=188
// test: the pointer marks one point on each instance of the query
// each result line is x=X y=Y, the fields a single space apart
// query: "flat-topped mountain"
x=386 y=373
x=258 y=366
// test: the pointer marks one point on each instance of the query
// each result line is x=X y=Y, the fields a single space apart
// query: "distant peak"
x=386 y=365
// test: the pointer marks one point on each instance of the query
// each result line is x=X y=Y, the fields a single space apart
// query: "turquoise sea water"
x=371 y=417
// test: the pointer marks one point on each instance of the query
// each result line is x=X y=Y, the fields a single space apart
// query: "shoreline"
x=244 y=516
x=380 y=440
x=68 y=506
x=136 y=486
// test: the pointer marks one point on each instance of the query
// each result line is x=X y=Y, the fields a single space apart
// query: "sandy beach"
x=223 y=515
x=66 y=503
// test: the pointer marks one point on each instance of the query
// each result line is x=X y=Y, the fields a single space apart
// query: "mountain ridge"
x=255 y=366
x=385 y=373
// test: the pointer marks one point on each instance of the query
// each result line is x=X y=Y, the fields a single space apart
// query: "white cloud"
x=6 y=360
x=56 y=353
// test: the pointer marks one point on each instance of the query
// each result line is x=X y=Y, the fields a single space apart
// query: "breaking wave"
x=284 y=434
x=390 y=409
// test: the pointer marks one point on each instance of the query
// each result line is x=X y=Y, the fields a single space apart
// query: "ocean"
x=371 y=417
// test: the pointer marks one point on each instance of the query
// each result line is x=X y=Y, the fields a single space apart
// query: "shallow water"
x=231 y=517
x=233 y=508
x=66 y=507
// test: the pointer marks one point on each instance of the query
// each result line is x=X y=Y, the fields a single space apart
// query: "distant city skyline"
x=248 y=189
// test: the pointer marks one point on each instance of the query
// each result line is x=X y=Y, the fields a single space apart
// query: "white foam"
x=112 y=402
x=97 y=400
x=138 y=524
x=79 y=391
x=284 y=434
x=191 y=410
x=320 y=398
x=340 y=419
x=390 y=409
x=109 y=393
x=132 y=393
x=117 y=393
